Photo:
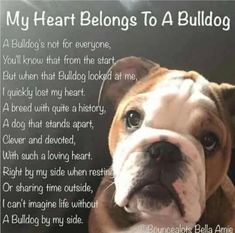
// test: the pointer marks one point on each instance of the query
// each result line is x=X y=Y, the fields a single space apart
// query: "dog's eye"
x=209 y=141
x=133 y=119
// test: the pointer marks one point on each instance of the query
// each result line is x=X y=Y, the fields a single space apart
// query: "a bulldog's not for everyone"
x=170 y=140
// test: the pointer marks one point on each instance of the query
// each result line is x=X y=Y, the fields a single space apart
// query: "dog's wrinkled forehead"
x=175 y=86
x=175 y=83
x=182 y=81
x=172 y=82
x=172 y=90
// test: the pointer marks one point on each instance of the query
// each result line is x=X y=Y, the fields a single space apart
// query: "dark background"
x=210 y=51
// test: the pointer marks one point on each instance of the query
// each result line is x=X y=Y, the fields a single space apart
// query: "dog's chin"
x=155 y=201
x=151 y=199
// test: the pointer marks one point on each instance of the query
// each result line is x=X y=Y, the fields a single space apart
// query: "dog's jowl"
x=170 y=141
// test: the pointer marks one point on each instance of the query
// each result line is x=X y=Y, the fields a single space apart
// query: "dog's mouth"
x=157 y=192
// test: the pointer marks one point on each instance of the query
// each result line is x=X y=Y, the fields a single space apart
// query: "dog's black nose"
x=164 y=151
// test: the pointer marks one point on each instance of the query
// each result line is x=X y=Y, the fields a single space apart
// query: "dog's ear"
x=228 y=95
x=123 y=74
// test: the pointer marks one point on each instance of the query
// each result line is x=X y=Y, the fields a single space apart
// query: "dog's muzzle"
x=165 y=162
x=154 y=169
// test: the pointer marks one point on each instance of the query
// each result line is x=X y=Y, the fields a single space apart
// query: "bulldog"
x=170 y=141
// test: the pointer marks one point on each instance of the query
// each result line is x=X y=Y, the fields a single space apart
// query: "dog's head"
x=170 y=139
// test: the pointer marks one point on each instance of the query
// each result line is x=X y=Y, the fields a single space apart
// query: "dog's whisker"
x=112 y=199
x=109 y=186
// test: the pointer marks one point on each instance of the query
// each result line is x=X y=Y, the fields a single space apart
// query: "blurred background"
x=210 y=51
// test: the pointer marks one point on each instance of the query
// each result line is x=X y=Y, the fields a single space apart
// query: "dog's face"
x=170 y=142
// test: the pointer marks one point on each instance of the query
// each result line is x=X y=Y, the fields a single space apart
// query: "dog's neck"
x=222 y=201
